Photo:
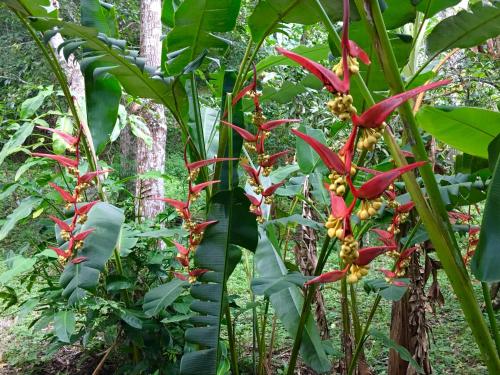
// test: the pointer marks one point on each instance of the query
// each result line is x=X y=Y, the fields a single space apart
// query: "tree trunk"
x=306 y=257
x=151 y=159
x=409 y=324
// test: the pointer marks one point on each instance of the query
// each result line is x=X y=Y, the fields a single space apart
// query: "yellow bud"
x=339 y=233
x=372 y=211
x=363 y=214
x=352 y=278
x=376 y=205
x=340 y=190
x=331 y=232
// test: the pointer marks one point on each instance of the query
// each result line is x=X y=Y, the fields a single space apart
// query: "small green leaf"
x=19 y=265
x=64 y=325
x=31 y=105
x=21 y=212
x=162 y=296
x=15 y=142
x=386 y=290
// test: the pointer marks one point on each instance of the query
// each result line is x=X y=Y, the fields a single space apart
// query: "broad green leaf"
x=64 y=325
x=18 y=266
x=281 y=173
x=162 y=296
x=33 y=8
x=431 y=7
x=20 y=212
x=235 y=225
x=486 y=260
x=465 y=29
x=307 y=158
x=117 y=282
x=102 y=92
x=78 y=279
x=269 y=285
x=131 y=318
x=31 y=105
x=168 y=12
x=7 y=191
x=135 y=78
x=404 y=354
x=295 y=220
x=386 y=290
x=467 y=129
x=270 y=15
x=287 y=305
x=26 y=166
x=15 y=142
x=197 y=27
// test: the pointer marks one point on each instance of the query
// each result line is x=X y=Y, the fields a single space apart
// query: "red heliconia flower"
x=63 y=160
x=60 y=252
x=407 y=253
x=474 y=230
x=250 y=87
x=330 y=158
x=338 y=206
x=274 y=158
x=87 y=177
x=82 y=235
x=183 y=260
x=357 y=51
x=245 y=134
x=79 y=260
x=271 y=189
x=68 y=138
x=376 y=186
x=389 y=274
x=454 y=216
x=367 y=254
x=61 y=224
x=181 y=249
x=84 y=209
x=180 y=276
x=179 y=205
x=253 y=199
x=253 y=173
x=405 y=208
x=204 y=163
x=387 y=238
x=330 y=80
x=374 y=116
x=202 y=226
x=198 y=188
x=259 y=146
x=198 y=272
x=65 y=195
x=270 y=125
x=329 y=277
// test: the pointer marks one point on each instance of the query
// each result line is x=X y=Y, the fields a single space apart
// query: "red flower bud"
x=274 y=158
x=204 y=163
x=84 y=209
x=82 y=235
x=79 y=260
x=197 y=188
x=181 y=249
x=61 y=224
x=60 y=252
x=66 y=196
x=202 y=226
x=63 y=160
x=374 y=116
x=376 y=186
x=270 y=125
x=68 y=138
x=357 y=51
x=245 y=134
x=271 y=189
x=329 y=277
x=87 y=177
x=367 y=254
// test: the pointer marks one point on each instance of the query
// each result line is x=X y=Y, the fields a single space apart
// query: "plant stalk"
x=491 y=315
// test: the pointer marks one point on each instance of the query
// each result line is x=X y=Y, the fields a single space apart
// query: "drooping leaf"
x=465 y=29
x=287 y=305
x=267 y=286
x=317 y=53
x=20 y=212
x=307 y=158
x=78 y=279
x=196 y=28
x=235 y=225
x=486 y=261
x=468 y=129
x=386 y=290
x=102 y=92
x=64 y=325
x=15 y=142
x=162 y=296
x=17 y=266
x=31 y=105
x=403 y=353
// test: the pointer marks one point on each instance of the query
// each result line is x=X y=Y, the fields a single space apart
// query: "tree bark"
x=151 y=159
x=306 y=257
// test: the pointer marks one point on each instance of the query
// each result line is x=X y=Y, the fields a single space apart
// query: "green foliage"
x=162 y=296
x=78 y=279
x=64 y=325
x=21 y=212
x=486 y=260
x=465 y=29
x=235 y=226
x=15 y=142
x=195 y=27
x=287 y=304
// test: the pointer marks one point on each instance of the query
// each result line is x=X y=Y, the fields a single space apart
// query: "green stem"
x=262 y=345
x=354 y=312
x=232 y=341
x=491 y=315
x=229 y=130
x=304 y=315
x=362 y=337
